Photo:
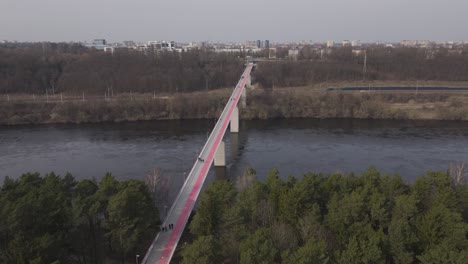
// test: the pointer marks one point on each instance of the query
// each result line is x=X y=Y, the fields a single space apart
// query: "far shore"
x=312 y=101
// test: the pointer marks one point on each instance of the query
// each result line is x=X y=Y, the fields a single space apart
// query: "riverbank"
x=295 y=102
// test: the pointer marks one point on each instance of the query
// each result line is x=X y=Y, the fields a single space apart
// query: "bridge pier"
x=234 y=123
x=220 y=155
x=243 y=97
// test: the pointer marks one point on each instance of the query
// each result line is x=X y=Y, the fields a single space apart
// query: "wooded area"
x=392 y=64
x=74 y=69
x=336 y=218
x=40 y=68
x=54 y=219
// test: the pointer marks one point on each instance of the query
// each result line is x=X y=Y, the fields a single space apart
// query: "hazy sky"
x=240 y=20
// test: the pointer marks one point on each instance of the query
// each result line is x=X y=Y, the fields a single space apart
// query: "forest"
x=317 y=218
x=52 y=68
x=52 y=219
x=382 y=64
x=73 y=69
x=336 y=218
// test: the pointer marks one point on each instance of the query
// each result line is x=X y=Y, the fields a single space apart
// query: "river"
x=294 y=146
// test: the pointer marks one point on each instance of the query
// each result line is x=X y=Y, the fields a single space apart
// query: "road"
x=165 y=243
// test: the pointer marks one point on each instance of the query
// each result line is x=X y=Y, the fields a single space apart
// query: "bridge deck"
x=163 y=246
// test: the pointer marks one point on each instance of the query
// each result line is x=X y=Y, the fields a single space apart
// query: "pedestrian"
x=172 y=226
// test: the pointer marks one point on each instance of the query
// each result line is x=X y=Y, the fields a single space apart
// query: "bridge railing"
x=190 y=176
x=223 y=113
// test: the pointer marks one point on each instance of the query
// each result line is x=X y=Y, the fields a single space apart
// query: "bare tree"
x=246 y=180
x=458 y=172
x=283 y=236
x=264 y=213
x=158 y=185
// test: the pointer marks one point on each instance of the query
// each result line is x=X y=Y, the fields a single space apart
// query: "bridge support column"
x=243 y=97
x=234 y=123
x=220 y=155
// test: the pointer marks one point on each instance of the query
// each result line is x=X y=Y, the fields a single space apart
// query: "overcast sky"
x=240 y=20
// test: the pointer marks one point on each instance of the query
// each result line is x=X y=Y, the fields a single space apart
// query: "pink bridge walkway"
x=165 y=243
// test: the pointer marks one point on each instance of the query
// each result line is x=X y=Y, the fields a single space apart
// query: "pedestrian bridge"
x=165 y=243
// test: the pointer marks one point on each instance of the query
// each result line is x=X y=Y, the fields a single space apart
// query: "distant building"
x=250 y=44
x=293 y=54
x=228 y=50
x=267 y=44
x=141 y=48
x=415 y=43
x=259 y=44
x=168 y=45
x=355 y=43
x=346 y=43
x=99 y=42
x=161 y=45
x=330 y=44
x=129 y=43
x=109 y=49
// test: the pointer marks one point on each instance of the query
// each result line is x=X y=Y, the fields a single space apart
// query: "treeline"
x=70 y=68
x=40 y=68
x=51 y=219
x=382 y=64
x=370 y=218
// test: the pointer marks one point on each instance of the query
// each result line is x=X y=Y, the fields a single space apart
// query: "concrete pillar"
x=234 y=123
x=234 y=138
x=243 y=97
x=220 y=155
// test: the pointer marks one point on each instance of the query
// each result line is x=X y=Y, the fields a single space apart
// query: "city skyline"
x=216 y=21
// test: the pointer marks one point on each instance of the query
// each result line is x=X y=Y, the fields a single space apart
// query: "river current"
x=294 y=146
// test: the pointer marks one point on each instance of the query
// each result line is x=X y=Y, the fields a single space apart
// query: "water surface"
x=295 y=146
